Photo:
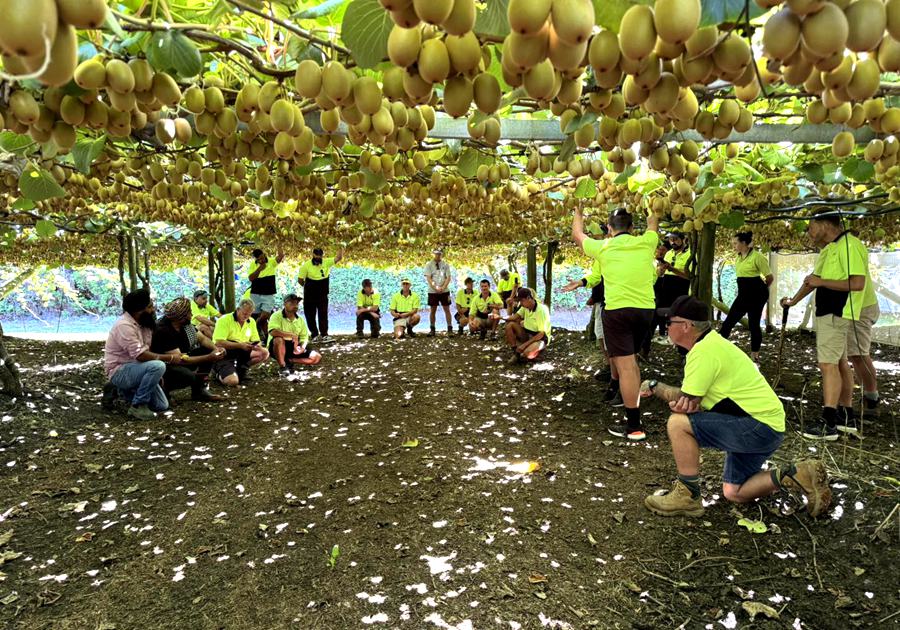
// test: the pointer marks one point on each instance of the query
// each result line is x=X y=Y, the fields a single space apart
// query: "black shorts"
x=289 y=351
x=504 y=295
x=439 y=298
x=624 y=329
x=463 y=312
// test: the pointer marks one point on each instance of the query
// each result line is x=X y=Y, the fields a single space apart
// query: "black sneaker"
x=820 y=431
x=603 y=375
x=482 y=334
x=285 y=371
x=871 y=406
x=617 y=400
x=449 y=331
x=359 y=334
x=847 y=424
x=432 y=332
x=461 y=331
x=110 y=394
x=610 y=394
x=409 y=331
x=375 y=335
x=633 y=434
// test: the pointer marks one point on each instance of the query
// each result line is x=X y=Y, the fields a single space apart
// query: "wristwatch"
x=652 y=383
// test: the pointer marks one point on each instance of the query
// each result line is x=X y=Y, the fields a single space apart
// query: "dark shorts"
x=235 y=362
x=747 y=443
x=435 y=299
x=289 y=351
x=624 y=329
x=504 y=295
x=461 y=313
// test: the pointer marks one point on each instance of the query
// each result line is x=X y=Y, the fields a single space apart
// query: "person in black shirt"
x=262 y=275
x=175 y=335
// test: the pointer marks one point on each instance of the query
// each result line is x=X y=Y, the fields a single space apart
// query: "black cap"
x=689 y=308
x=318 y=251
x=523 y=293
x=257 y=252
x=292 y=297
x=676 y=234
x=367 y=283
x=199 y=293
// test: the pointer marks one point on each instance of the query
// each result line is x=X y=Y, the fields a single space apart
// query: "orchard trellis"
x=394 y=125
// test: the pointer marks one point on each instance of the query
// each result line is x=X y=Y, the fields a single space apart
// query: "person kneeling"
x=726 y=404
x=484 y=310
x=404 y=308
x=368 y=308
x=289 y=337
x=528 y=330
x=236 y=332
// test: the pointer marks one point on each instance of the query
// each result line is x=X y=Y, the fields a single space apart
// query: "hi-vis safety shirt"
x=507 y=285
x=265 y=281
x=368 y=301
x=481 y=306
x=297 y=326
x=844 y=257
x=627 y=269
x=229 y=329
x=209 y=312
x=537 y=320
x=679 y=260
x=405 y=303
x=753 y=265
x=463 y=299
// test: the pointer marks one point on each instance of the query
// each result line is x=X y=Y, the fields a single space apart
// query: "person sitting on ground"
x=725 y=403
x=528 y=330
x=463 y=302
x=134 y=372
x=203 y=314
x=368 y=309
x=508 y=287
x=404 y=308
x=289 y=337
x=236 y=332
x=484 y=311
x=176 y=336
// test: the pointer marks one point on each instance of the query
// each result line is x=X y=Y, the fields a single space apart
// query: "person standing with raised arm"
x=262 y=276
x=626 y=266
x=314 y=277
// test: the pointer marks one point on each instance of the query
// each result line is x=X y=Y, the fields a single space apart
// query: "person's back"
x=626 y=265
x=123 y=343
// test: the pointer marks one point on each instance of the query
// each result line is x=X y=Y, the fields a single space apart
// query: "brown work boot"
x=676 y=502
x=812 y=480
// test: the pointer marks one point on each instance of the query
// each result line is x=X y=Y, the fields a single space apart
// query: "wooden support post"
x=531 y=270
x=123 y=255
x=552 y=246
x=10 y=380
x=132 y=264
x=705 y=261
x=211 y=270
x=228 y=278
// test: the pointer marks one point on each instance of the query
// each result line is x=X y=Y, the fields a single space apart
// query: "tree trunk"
x=772 y=306
x=132 y=264
x=706 y=259
x=123 y=246
x=211 y=271
x=10 y=381
x=228 y=277
x=552 y=246
x=531 y=270
x=16 y=282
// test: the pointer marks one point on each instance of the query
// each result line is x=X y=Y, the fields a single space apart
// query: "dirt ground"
x=421 y=484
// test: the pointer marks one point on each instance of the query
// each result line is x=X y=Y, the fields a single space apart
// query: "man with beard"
x=133 y=370
x=236 y=333
x=437 y=275
x=289 y=339
x=176 y=336
x=263 y=273
x=314 y=278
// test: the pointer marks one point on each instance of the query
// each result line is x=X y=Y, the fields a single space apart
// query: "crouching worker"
x=175 y=336
x=725 y=403
x=134 y=372
x=463 y=303
x=484 y=311
x=289 y=337
x=368 y=309
x=405 y=305
x=528 y=330
x=236 y=332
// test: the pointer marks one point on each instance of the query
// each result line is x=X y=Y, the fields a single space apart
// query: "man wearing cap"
x=626 y=266
x=236 y=332
x=484 y=311
x=203 y=314
x=463 y=302
x=368 y=309
x=175 y=335
x=262 y=274
x=133 y=370
x=404 y=309
x=528 y=330
x=508 y=287
x=676 y=279
x=289 y=337
x=437 y=275
x=314 y=278
x=724 y=403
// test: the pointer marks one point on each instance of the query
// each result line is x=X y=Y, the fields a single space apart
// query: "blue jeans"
x=747 y=442
x=139 y=383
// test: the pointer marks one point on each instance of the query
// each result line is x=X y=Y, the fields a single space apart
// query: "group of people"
x=723 y=402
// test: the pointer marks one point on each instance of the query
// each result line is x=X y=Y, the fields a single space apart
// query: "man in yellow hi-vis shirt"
x=463 y=301
x=368 y=308
x=314 y=278
x=262 y=275
x=405 y=305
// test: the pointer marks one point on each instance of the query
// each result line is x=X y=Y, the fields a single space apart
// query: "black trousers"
x=183 y=376
x=374 y=323
x=750 y=301
x=316 y=306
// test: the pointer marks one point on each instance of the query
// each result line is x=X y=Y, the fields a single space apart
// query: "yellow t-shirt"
x=309 y=271
x=717 y=370
x=507 y=285
x=626 y=265
x=833 y=263
x=209 y=312
x=479 y=304
x=297 y=327
x=679 y=260
x=265 y=281
x=463 y=299
x=753 y=265
x=594 y=277
x=368 y=301
x=228 y=329
x=405 y=303
x=537 y=320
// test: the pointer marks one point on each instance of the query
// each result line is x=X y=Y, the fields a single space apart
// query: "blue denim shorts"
x=263 y=303
x=747 y=442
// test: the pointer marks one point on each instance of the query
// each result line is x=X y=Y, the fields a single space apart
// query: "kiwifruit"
x=166 y=90
x=663 y=95
x=28 y=27
x=487 y=93
x=564 y=56
x=183 y=131
x=843 y=144
x=458 y=94
x=676 y=20
x=889 y=54
x=405 y=17
x=336 y=82
x=403 y=45
x=603 y=52
x=123 y=102
x=866 y=21
x=805 y=7
x=732 y=54
x=464 y=51
x=539 y=81
x=461 y=19
x=269 y=92
x=665 y=50
x=632 y=92
x=649 y=75
x=308 y=79
x=825 y=32
x=82 y=14
x=367 y=95
x=23 y=106
x=434 y=61
x=72 y=110
x=573 y=20
x=119 y=76
x=781 y=35
x=90 y=75
x=281 y=115
x=865 y=81
x=840 y=76
x=433 y=11
x=63 y=57
x=194 y=100
x=214 y=99
x=96 y=114
x=702 y=42
x=383 y=122
x=570 y=91
x=637 y=32
x=416 y=87
x=892 y=11
x=527 y=17
x=526 y=51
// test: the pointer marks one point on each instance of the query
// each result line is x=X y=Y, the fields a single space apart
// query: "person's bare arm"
x=652 y=222
x=339 y=256
x=668 y=393
x=146 y=355
x=283 y=335
x=233 y=345
x=804 y=290
x=279 y=256
x=769 y=280
x=578 y=234
x=854 y=283
x=206 y=321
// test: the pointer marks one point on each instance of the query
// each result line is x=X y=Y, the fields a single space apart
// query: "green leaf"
x=858 y=170
x=755 y=527
x=702 y=202
x=412 y=443
x=567 y=150
x=112 y=23
x=86 y=151
x=159 y=50
x=492 y=20
x=374 y=181
x=365 y=31
x=185 y=55
x=37 y=185
x=608 y=13
x=813 y=172
x=587 y=118
x=586 y=188
x=367 y=206
x=23 y=204
x=216 y=191
x=7 y=236
x=731 y=220
x=45 y=229
x=718 y=11
x=321 y=10
x=468 y=163
x=624 y=175
x=16 y=143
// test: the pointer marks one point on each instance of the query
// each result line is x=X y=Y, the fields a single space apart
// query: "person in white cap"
x=404 y=308
x=437 y=275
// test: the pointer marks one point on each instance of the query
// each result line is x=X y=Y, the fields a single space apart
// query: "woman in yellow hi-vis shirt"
x=753 y=280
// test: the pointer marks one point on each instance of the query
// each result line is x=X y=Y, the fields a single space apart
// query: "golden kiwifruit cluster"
x=41 y=34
